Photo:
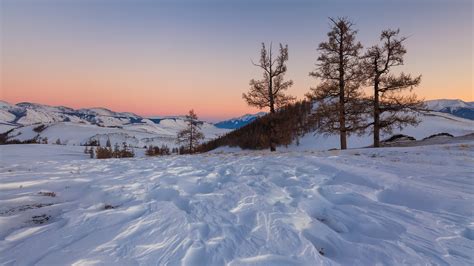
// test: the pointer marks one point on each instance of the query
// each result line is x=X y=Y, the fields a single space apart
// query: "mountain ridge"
x=79 y=126
x=455 y=107
x=24 y=122
x=238 y=122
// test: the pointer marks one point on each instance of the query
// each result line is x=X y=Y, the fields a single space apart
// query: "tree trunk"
x=191 y=139
x=272 y=111
x=342 y=115
x=342 y=118
x=272 y=132
x=376 y=114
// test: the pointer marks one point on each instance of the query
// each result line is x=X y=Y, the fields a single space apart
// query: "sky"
x=166 y=57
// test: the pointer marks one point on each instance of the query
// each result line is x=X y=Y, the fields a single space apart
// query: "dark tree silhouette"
x=269 y=91
x=191 y=135
x=291 y=122
x=390 y=106
x=338 y=97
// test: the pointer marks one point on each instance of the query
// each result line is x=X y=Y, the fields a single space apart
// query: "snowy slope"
x=23 y=114
x=7 y=119
x=136 y=135
x=455 y=107
x=387 y=206
x=438 y=105
x=76 y=127
x=431 y=123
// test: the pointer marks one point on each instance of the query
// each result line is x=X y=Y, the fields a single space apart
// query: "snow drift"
x=360 y=207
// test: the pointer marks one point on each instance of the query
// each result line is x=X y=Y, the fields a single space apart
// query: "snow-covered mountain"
x=455 y=107
x=23 y=114
x=239 y=122
x=26 y=121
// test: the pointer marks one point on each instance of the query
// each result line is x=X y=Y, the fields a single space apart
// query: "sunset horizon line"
x=205 y=117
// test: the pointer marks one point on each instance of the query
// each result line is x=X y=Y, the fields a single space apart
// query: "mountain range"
x=457 y=108
x=25 y=121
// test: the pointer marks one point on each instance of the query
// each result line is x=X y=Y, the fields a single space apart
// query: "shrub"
x=399 y=137
x=40 y=219
x=103 y=153
x=28 y=141
x=125 y=152
x=157 y=151
x=39 y=128
x=92 y=142
x=107 y=152
x=47 y=194
x=183 y=150
x=108 y=207
x=444 y=134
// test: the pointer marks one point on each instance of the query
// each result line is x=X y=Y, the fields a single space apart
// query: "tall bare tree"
x=191 y=135
x=338 y=96
x=269 y=91
x=390 y=104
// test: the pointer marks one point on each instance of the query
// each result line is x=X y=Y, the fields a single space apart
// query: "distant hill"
x=456 y=107
x=26 y=121
x=238 y=122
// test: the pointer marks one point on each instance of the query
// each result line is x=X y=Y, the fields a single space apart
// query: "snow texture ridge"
x=360 y=207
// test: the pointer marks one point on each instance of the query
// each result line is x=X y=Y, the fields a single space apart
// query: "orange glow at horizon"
x=145 y=100
x=163 y=91
x=121 y=94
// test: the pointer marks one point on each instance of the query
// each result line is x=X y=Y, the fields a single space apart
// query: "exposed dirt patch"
x=47 y=194
x=108 y=207
x=40 y=219
x=22 y=208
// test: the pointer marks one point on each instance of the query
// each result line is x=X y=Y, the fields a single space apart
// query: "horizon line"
x=206 y=118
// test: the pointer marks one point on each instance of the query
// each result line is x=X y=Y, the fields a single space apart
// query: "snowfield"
x=431 y=123
x=356 y=207
x=134 y=135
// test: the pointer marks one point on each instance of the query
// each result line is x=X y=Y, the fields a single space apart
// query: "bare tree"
x=338 y=96
x=191 y=135
x=391 y=107
x=269 y=91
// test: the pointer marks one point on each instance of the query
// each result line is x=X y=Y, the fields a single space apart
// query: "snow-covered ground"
x=136 y=135
x=431 y=123
x=356 y=207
